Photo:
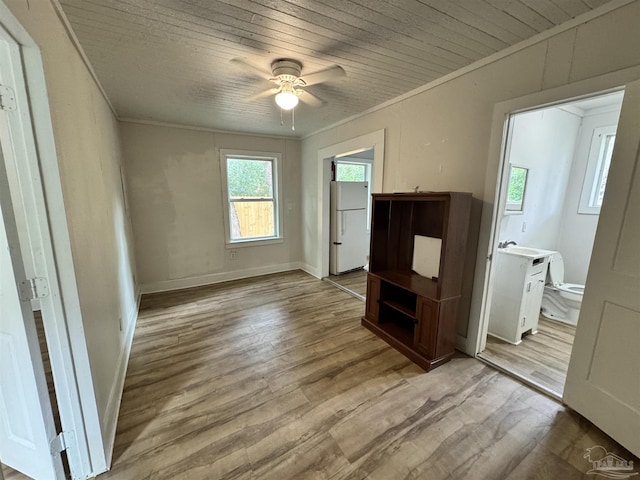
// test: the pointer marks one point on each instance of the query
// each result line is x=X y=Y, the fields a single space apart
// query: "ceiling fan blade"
x=264 y=93
x=323 y=75
x=244 y=64
x=309 y=98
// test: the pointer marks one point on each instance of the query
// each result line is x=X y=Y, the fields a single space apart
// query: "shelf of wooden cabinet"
x=400 y=333
x=404 y=309
x=423 y=286
x=403 y=340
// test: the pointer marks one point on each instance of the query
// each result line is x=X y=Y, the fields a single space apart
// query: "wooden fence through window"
x=252 y=219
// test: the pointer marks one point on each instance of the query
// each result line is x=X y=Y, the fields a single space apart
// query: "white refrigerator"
x=349 y=245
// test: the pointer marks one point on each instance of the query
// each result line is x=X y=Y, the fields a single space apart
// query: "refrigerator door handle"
x=343 y=225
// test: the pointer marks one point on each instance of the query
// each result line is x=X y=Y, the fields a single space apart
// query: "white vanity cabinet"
x=519 y=279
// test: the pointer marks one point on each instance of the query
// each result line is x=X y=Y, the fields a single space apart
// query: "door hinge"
x=61 y=442
x=7 y=98
x=34 y=288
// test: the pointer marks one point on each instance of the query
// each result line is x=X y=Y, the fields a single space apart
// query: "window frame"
x=275 y=159
x=593 y=172
x=516 y=208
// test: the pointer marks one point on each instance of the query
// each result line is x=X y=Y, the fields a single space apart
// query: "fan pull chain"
x=281 y=120
x=293 y=119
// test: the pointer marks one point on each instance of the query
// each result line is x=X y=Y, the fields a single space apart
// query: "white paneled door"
x=603 y=381
x=26 y=420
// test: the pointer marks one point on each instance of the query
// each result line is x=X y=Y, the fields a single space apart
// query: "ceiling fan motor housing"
x=287 y=70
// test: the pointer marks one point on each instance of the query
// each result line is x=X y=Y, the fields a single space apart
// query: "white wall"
x=176 y=202
x=89 y=155
x=577 y=232
x=544 y=142
x=440 y=138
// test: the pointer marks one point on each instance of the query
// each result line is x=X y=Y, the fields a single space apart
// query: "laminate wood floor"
x=543 y=357
x=274 y=378
x=353 y=281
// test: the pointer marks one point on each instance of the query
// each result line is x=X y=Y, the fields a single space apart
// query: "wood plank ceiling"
x=170 y=60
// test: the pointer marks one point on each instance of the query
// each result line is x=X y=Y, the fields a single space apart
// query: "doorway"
x=350 y=229
x=28 y=404
x=373 y=142
x=34 y=224
x=553 y=181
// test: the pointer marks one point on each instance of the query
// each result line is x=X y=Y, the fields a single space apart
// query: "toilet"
x=560 y=301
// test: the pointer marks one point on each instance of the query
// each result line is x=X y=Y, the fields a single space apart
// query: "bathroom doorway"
x=556 y=161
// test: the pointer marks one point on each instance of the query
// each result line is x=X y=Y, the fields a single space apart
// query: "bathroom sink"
x=526 y=251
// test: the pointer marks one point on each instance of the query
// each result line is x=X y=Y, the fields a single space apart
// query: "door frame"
x=38 y=186
x=28 y=454
x=373 y=140
x=493 y=196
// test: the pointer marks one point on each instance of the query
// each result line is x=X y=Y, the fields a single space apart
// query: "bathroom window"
x=516 y=189
x=595 y=180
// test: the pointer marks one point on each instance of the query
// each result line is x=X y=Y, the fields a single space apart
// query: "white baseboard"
x=110 y=420
x=310 y=270
x=168 y=285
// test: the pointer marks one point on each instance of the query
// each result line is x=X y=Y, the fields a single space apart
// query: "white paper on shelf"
x=426 y=256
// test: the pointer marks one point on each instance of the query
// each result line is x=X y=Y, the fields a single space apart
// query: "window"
x=351 y=172
x=517 y=189
x=602 y=172
x=251 y=195
x=595 y=180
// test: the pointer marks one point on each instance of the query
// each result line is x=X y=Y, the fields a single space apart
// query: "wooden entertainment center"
x=417 y=314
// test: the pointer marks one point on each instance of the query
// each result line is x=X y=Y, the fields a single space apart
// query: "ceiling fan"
x=290 y=85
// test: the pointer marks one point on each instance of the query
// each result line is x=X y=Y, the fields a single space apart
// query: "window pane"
x=604 y=171
x=249 y=178
x=251 y=219
x=517 y=182
x=346 y=172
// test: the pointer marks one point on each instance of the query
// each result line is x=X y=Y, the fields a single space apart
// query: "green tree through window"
x=249 y=178
x=517 y=184
x=346 y=172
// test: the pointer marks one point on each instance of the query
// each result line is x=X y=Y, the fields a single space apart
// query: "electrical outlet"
x=524 y=226
x=233 y=254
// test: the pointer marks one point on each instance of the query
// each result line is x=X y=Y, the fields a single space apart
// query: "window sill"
x=253 y=243
x=589 y=211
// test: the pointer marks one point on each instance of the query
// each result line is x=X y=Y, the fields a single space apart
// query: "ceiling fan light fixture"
x=287 y=97
x=286 y=100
